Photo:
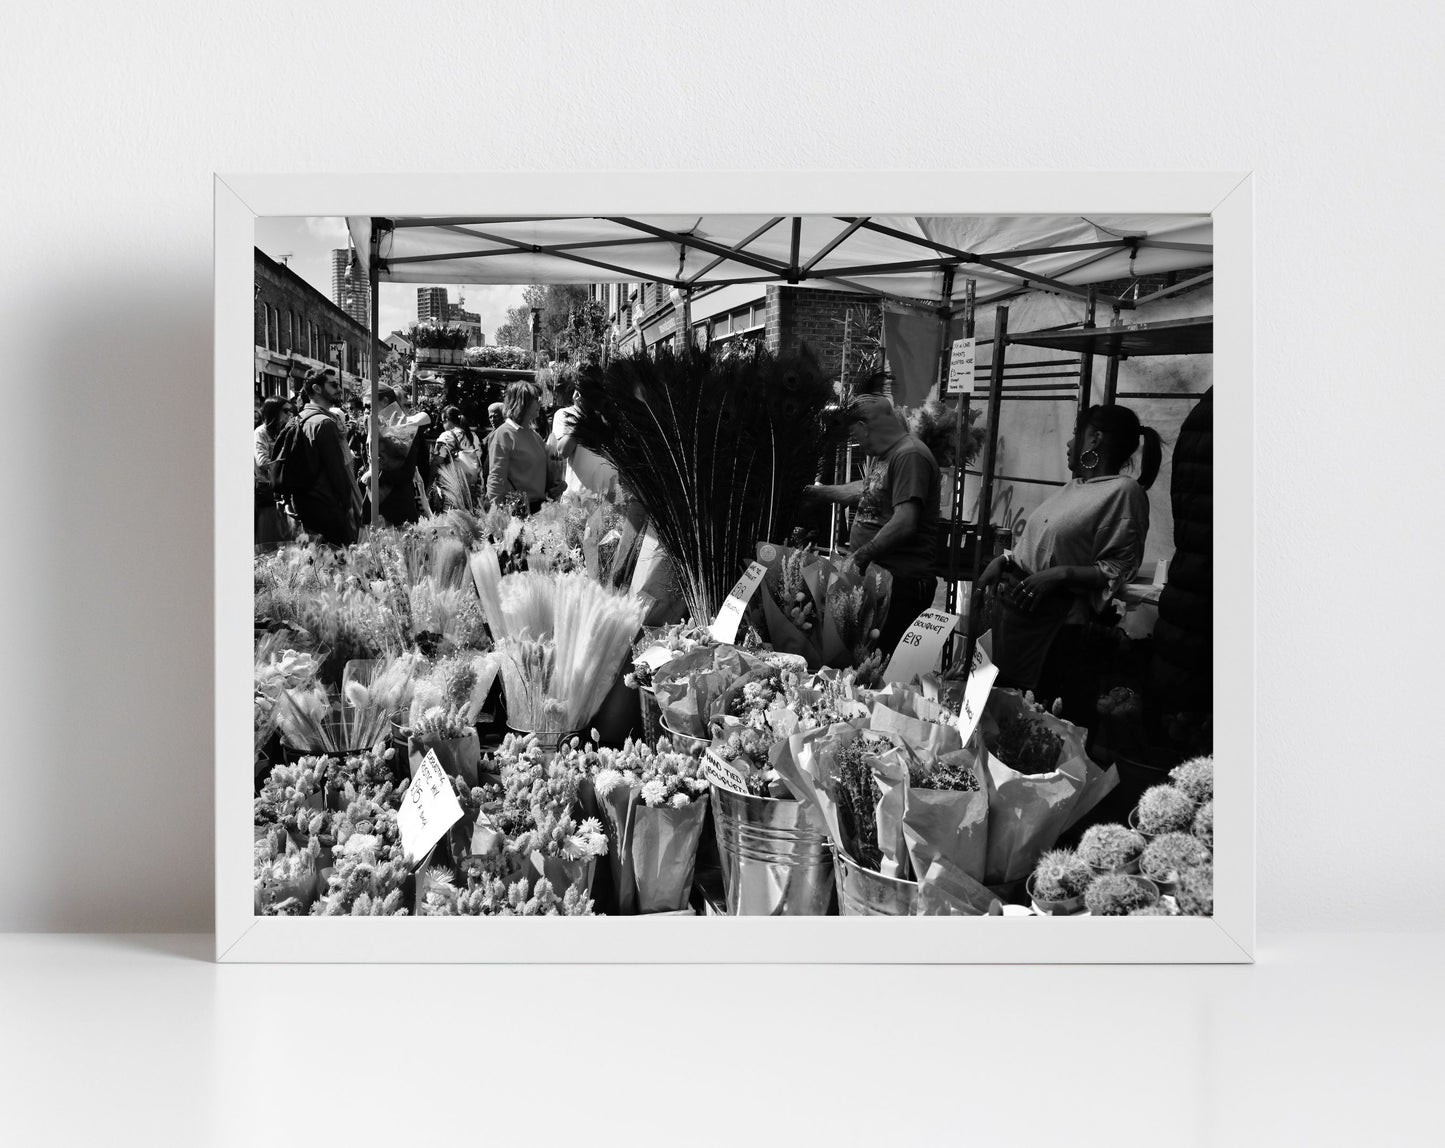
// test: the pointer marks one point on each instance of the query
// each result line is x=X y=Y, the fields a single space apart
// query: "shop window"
x=720 y=327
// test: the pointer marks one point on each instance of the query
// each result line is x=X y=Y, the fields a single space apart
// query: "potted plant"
x=1111 y=848
x=1204 y=825
x=1057 y=885
x=1120 y=894
x=1163 y=809
x=1195 y=778
x=1195 y=891
x=1168 y=855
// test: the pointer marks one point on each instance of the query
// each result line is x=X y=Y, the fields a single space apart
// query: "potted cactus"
x=1056 y=886
x=1195 y=891
x=1170 y=854
x=1195 y=778
x=1163 y=809
x=1204 y=825
x=1111 y=849
x=1120 y=894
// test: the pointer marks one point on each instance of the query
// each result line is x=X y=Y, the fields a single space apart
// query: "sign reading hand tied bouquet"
x=919 y=648
x=428 y=810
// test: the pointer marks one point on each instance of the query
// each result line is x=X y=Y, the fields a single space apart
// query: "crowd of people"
x=1042 y=599
x=313 y=470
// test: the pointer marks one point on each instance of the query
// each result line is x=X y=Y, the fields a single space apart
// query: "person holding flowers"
x=897 y=519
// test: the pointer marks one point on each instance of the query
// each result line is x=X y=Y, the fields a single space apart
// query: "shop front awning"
x=905 y=257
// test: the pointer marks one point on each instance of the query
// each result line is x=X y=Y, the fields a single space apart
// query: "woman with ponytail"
x=1076 y=551
x=459 y=468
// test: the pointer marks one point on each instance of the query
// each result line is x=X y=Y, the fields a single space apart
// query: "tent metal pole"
x=990 y=458
x=1111 y=381
x=373 y=431
x=960 y=430
x=1086 y=363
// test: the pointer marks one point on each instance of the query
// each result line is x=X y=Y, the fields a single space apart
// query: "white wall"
x=114 y=117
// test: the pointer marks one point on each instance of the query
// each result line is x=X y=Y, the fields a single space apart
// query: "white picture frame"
x=1227 y=937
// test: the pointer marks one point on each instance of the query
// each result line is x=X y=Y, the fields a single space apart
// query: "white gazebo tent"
x=944 y=263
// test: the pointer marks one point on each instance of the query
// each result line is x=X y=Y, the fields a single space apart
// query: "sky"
x=310 y=240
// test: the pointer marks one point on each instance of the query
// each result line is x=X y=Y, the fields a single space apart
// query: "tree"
x=393 y=370
x=556 y=301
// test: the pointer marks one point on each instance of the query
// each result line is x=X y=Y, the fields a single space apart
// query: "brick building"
x=296 y=328
x=783 y=318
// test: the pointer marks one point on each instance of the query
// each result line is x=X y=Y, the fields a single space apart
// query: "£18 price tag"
x=919 y=648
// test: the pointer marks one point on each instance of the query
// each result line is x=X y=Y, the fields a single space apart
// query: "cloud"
x=329 y=228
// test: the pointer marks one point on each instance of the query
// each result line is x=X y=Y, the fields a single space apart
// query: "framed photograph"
x=713 y=567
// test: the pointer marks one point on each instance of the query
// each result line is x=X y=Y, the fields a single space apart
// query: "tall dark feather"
x=717 y=449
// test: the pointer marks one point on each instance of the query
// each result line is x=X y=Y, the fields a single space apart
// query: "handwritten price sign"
x=725 y=626
x=919 y=648
x=428 y=810
x=981 y=675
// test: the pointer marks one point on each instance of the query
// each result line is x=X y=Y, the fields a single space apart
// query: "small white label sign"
x=721 y=773
x=725 y=626
x=981 y=677
x=919 y=648
x=428 y=810
x=960 y=366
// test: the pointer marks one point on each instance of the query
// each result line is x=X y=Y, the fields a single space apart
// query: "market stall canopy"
x=904 y=256
x=1175 y=337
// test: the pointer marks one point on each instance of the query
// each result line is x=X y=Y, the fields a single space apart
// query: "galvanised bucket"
x=776 y=860
x=864 y=893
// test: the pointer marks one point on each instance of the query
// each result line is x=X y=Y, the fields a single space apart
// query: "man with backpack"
x=310 y=464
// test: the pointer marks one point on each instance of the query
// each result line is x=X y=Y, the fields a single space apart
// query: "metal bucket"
x=651 y=715
x=864 y=893
x=776 y=861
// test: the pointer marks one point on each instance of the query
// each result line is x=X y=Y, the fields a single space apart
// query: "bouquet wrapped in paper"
x=443 y=713
x=654 y=803
x=822 y=609
x=698 y=686
x=1040 y=782
x=881 y=804
x=945 y=804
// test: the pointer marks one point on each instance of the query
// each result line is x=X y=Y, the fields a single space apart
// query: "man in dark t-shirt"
x=897 y=520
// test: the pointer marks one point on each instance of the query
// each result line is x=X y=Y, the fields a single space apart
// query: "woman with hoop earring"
x=1076 y=551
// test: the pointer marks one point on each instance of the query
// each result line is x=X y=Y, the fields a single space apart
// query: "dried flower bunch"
x=1025 y=744
x=717 y=450
x=857 y=794
x=447 y=696
x=367 y=880
x=662 y=776
x=561 y=639
x=953 y=771
x=484 y=895
x=748 y=750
